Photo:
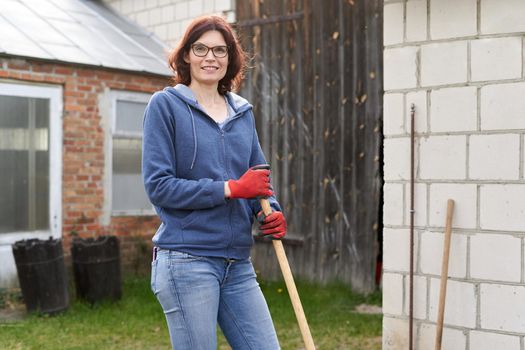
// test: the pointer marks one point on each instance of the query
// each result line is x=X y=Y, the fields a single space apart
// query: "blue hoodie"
x=186 y=159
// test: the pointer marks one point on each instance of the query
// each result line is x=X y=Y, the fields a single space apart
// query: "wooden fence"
x=316 y=85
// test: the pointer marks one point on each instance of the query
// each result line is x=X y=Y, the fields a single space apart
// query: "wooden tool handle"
x=444 y=275
x=290 y=284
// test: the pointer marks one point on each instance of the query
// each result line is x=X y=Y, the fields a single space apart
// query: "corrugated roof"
x=78 y=31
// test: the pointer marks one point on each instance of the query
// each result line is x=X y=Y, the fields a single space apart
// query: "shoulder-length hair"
x=236 y=55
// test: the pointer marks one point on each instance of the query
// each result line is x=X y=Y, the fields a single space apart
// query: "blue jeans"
x=196 y=292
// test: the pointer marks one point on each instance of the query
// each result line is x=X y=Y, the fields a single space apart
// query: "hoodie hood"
x=238 y=103
x=235 y=102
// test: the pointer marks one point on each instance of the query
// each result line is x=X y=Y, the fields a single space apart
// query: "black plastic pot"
x=96 y=267
x=42 y=274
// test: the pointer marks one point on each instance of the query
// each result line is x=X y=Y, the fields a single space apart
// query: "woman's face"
x=206 y=67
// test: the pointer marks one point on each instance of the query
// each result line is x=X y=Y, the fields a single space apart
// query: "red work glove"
x=273 y=224
x=253 y=183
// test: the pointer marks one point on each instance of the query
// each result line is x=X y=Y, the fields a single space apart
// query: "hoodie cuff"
x=217 y=193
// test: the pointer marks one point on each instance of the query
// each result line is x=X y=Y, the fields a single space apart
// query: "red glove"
x=253 y=183
x=273 y=224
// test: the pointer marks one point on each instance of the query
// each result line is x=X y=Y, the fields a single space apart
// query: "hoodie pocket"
x=207 y=227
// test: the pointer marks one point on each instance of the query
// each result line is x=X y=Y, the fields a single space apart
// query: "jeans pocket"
x=154 y=276
x=181 y=257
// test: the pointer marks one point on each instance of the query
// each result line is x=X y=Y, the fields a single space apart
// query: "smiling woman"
x=206 y=68
x=236 y=58
x=200 y=148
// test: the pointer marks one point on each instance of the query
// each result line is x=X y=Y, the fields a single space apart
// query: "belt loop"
x=155 y=250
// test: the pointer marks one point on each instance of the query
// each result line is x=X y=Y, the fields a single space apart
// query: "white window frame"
x=54 y=94
x=112 y=96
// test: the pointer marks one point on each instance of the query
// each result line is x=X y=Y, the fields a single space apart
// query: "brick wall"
x=169 y=18
x=461 y=63
x=83 y=151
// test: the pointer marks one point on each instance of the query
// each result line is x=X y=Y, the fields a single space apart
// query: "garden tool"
x=444 y=274
x=288 y=277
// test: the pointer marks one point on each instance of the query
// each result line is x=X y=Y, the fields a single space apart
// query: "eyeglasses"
x=201 y=50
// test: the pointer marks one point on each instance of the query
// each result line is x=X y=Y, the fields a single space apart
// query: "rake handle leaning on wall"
x=290 y=284
x=444 y=275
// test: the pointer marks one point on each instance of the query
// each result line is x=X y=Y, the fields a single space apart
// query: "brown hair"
x=236 y=55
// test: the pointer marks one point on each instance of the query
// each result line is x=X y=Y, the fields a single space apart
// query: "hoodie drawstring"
x=194 y=137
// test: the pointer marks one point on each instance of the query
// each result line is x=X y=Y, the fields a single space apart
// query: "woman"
x=199 y=148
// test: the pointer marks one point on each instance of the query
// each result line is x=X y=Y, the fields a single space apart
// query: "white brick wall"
x=454 y=109
x=420 y=297
x=394 y=114
x=393 y=204
x=400 y=68
x=490 y=341
x=420 y=204
x=397 y=159
x=502 y=19
x=453 y=339
x=393 y=23
x=502 y=307
x=496 y=58
x=462 y=63
x=443 y=157
x=495 y=257
x=393 y=302
x=443 y=63
x=395 y=334
x=502 y=207
x=416 y=20
x=460 y=304
x=452 y=18
x=168 y=18
x=465 y=197
x=494 y=157
x=396 y=258
x=419 y=99
x=503 y=106
x=431 y=253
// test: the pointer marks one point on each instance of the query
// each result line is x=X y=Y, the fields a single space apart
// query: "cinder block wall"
x=169 y=18
x=461 y=63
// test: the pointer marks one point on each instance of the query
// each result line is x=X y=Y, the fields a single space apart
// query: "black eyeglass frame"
x=192 y=46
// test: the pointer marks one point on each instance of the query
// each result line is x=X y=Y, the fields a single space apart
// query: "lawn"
x=137 y=322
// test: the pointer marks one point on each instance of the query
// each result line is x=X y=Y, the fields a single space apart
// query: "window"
x=128 y=196
x=30 y=161
x=24 y=164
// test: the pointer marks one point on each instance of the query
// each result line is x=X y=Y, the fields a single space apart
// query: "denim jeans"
x=197 y=292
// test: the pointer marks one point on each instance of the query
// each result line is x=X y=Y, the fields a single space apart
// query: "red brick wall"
x=83 y=151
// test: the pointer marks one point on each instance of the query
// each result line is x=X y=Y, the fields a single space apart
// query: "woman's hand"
x=273 y=224
x=253 y=183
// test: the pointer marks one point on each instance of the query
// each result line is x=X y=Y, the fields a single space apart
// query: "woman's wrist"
x=227 y=192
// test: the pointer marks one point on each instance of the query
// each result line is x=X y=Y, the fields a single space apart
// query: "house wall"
x=169 y=18
x=84 y=131
x=461 y=63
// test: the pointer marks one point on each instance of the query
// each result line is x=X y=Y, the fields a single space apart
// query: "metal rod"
x=411 y=274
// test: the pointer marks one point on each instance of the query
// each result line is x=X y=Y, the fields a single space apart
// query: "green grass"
x=137 y=321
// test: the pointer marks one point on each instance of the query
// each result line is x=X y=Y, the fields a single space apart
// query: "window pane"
x=24 y=164
x=129 y=116
x=128 y=189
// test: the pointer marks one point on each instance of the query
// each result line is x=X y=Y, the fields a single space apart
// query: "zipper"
x=223 y=142
x=225 y=162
